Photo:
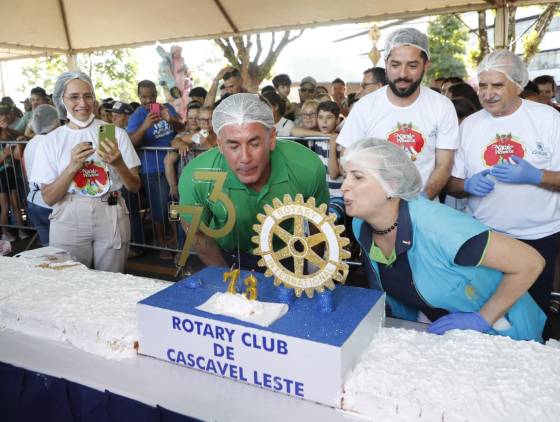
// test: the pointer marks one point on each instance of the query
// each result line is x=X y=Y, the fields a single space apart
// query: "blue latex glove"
x=521 y=172
x=479 y=184
x=459 y=321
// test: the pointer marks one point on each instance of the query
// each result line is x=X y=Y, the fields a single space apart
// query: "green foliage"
x=447 y=37
x=113 y=72
x=43 y=72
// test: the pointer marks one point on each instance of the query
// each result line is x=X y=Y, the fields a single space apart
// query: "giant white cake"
x=404 y=375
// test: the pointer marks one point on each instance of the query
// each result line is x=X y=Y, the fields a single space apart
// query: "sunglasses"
x=309 y=90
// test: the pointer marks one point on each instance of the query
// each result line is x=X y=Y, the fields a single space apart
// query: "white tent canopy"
x=42 y=27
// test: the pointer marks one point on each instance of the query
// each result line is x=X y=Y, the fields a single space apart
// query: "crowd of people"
x=406 y=165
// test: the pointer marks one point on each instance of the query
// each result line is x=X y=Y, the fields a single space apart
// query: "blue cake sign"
x=306 y=352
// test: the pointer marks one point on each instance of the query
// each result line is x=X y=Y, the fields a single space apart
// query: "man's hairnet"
x=388 y=163
x=506 y=62
x=44 y=119
x=406 y=36
x=242 y=108
x=60 y=86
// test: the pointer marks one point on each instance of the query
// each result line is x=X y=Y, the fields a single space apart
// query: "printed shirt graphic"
x=409 y=138
x=92 y=179
x=501 y=148
x=532 y=132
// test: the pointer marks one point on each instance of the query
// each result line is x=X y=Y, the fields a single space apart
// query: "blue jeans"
x=39 y=217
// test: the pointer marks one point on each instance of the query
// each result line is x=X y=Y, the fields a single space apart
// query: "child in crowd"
x=326 y=119
x=283 y=85
x=199 y=136
x=283 y=126
x=120 y=113
x=172 y=157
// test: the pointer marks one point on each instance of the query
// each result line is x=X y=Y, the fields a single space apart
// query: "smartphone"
x=155 y=108
x=106 y=132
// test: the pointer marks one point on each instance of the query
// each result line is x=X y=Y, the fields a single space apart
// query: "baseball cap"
x=121 y=108
x=308 y=80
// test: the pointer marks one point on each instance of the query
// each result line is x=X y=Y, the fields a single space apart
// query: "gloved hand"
x=521 y=172
x=459 y=321
x=479 y=184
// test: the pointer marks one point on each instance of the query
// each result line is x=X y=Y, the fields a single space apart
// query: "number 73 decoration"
x=218 y=177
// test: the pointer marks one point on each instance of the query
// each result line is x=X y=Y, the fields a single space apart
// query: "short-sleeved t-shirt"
x=428 y=124
x=159 y=135
x=532 y=132
x=294 y=169
x=54 y=152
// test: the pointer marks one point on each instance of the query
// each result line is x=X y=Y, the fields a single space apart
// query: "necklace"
x=387 y=230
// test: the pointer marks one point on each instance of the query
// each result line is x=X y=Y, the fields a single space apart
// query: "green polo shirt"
x=294 y=169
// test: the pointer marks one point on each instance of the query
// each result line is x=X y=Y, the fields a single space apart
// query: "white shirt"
x=55 y=150
x=284 y=127
x=532 y=132
x=30 y=152
x=428 y=123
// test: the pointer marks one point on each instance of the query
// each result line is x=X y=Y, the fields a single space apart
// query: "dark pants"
x=548 y=247
x=39 y=217
x=132 y=201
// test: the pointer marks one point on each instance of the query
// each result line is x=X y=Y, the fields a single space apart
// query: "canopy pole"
x=501 y=23
x=72 y=61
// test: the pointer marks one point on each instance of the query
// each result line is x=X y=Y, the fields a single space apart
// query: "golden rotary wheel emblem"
x=299 y=246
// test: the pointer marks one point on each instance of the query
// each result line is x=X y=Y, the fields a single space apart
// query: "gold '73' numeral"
x=218 y=177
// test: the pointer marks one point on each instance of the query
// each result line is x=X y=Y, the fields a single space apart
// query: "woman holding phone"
x=84 y=165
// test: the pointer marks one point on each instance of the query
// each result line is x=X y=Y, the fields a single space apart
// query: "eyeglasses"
x=75 y=98
x=309 y=115
x=309 y=90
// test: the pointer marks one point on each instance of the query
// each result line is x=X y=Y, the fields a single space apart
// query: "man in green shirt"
x=258 y=168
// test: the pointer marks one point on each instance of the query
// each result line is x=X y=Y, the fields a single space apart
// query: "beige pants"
x=93 y=232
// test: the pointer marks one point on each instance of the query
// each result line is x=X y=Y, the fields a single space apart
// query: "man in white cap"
x=508 y=163
x=416 y=118
x=258 y=169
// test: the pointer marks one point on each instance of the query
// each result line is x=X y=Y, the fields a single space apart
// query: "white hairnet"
x=60 y=86
x=406 y=36
x=242 y=108
x=506 y=62
x=44 y=119
x=390 y=165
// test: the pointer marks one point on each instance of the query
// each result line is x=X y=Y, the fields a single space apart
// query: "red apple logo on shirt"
x=91 y=179
x=408 y=138
x=501 y=149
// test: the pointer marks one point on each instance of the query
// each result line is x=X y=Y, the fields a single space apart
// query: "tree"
x=447 y=39
x=532 y=40
x=238 y=51
x=113 y=72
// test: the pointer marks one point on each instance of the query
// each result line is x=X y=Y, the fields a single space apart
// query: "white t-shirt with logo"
x=95 y=178
x=428 y=123
x=532 y=132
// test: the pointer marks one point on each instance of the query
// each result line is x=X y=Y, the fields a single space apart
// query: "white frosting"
x=238 y=306
x=92 y=310
x=461 y=376
x=404 y=375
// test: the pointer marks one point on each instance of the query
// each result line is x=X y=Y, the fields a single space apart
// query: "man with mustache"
x=416 y=118
x=257 y=169
x=508 y=164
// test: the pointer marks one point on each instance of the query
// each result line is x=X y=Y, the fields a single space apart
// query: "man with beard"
x=416 y=118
